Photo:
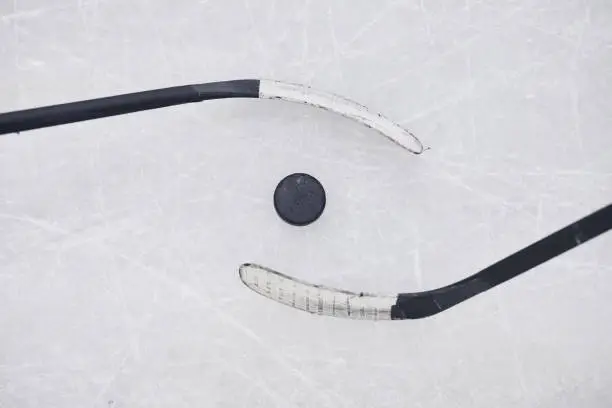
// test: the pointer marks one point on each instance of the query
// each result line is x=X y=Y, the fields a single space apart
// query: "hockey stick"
x=37 y=118
x=321 y=300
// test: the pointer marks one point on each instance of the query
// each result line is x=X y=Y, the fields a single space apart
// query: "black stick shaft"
x=37 y=118
x=419 y=305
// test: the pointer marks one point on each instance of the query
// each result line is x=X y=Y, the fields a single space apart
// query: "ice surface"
x=120 y=239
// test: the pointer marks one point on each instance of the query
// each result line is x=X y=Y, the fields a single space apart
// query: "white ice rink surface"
x=120 y=238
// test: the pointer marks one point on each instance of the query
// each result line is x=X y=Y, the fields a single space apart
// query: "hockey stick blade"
x=38 y=118
x=327 y=301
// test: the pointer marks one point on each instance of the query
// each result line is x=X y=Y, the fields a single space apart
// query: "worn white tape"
x=272 y=89
x=315 y=299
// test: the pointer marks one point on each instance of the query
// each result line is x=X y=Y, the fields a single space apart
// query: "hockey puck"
x=299 y=199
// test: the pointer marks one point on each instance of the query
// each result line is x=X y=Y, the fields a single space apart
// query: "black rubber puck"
x=299 y=199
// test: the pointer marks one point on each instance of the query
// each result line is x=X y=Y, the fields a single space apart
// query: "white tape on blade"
x=271 y=89
x=315 y=299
